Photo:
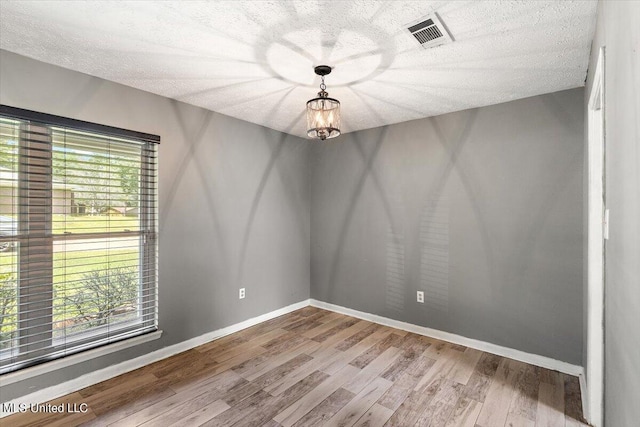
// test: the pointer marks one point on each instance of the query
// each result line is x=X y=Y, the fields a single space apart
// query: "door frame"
x=596 y=235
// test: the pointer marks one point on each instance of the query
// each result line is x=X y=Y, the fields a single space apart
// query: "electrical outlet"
x=242 y=293
x=420 y=296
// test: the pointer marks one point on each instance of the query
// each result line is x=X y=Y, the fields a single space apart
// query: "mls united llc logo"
x=69 y=408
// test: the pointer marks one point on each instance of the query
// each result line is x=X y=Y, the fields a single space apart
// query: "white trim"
x=34 y=371
x=593 y=409
x=533 y=359
x=104 y=374
x=583 y=392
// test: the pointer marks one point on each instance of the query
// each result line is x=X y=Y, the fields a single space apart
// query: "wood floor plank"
x=191 y=371
x=115 y=397
x=265 y=410
x=240 y=391
x=356 y=338
x=200 y=416
x=405 y=384
x=268 y=365
x=477 y=387
x=414 y=405
x=367 y=357
x=336 y=329
x=458 y=347
x=435 y=414
x=71 y=420
x=436 y=348
x=376 y=416
x=465 y=413
x=412 y=347
x=372 y=371
x=325 y=326
x=208 y=378
x=308 y=311
x=248 y=365
x=129 y=408
x=281 y=371
x=446 y=361
x=314 y=367
x=282 y=342
x=294 y=412
x=550 y=377
x=186 y=402
x=236 y=412
x=525 y=397
x=441 y=407
x=550 y=411
x=488 y=364
x=358 y=406
x=209 y=373
x=277 y=387
x=517 y=420
x=496 y=405
x=342 y=335
x=331 y=315
x=305 y=323
x=326 y=409
x=466 y=366
x=338 y=361
x=117 y=401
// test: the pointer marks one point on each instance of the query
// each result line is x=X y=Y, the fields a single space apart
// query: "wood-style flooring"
x=314 y=367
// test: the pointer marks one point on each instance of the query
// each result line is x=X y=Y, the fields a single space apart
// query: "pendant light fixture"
x=323 y=113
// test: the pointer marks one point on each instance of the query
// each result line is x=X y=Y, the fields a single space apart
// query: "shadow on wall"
x=195 y=136
x=480 y=209
x=434 y=226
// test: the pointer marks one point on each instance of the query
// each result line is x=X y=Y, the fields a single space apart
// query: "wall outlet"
x=242 y=293
x=420 y=296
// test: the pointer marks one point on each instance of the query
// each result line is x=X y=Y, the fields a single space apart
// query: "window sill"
x=57 y=364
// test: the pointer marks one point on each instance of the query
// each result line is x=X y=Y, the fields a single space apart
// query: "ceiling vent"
x=430 y=31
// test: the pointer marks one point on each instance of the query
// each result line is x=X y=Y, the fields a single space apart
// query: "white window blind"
x=78 y=236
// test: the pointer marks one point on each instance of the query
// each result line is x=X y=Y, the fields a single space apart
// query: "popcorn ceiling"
x=254 y=60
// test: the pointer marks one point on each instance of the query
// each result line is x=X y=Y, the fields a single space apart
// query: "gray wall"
x=618 y=29
x=234 y=204
x=481 y=209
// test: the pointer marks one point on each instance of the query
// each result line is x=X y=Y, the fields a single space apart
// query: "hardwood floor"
x=314 y=367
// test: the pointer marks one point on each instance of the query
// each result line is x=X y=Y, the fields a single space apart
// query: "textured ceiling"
x=254 y=59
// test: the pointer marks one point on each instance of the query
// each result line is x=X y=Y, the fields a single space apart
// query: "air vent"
x=429 y=31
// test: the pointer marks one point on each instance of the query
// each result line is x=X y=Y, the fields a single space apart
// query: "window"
x=78 y=236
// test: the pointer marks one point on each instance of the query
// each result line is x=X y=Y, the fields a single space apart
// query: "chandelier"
x=323 y=113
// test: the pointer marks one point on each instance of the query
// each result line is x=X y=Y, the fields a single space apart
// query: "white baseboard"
x=104 y=374
x=583 y=395
x=533 y=359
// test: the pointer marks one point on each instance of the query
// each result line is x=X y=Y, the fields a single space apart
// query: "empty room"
x=320 y=213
